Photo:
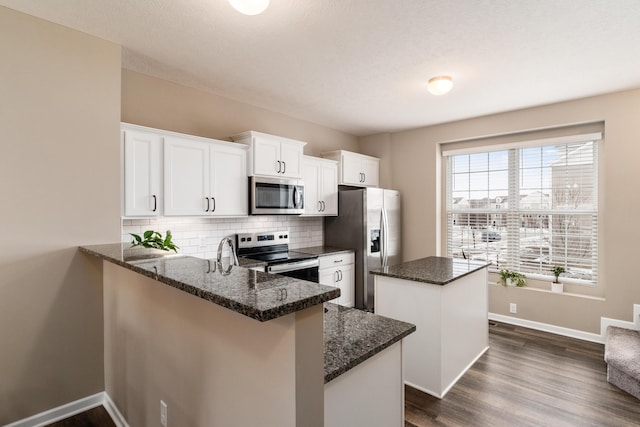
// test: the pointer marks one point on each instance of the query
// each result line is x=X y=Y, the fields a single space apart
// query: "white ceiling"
x=361 y=66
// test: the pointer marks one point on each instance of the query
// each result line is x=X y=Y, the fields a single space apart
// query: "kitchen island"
x=231 y=347
x=447 y=300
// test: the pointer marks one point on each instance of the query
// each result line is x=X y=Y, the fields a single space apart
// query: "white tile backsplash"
x=200 y=237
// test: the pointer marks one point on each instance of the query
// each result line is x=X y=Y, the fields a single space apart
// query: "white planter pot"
x=557 y=287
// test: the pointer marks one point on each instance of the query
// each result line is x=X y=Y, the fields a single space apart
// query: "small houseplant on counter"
x=150 y=244
x=556 y=286
x=511 y=278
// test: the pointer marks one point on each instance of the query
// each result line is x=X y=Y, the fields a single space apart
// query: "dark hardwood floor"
x=96 y=417
x=529 y=378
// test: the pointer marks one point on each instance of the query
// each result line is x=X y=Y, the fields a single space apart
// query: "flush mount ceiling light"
x=250 y=7
x=440 y=85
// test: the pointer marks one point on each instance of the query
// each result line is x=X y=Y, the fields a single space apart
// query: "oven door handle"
x=292 y=266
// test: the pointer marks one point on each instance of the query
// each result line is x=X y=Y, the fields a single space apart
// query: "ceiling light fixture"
x=440 y=85
x=250 y=7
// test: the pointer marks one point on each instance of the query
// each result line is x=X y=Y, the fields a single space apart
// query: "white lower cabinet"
x=338 y=270
x=371 y=394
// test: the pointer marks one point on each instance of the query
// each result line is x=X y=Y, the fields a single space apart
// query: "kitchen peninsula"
x=236 y=347
x=447 y=300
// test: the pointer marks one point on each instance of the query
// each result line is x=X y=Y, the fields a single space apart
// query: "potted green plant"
x=556 y=286
x=150 y=244
x=511 y=278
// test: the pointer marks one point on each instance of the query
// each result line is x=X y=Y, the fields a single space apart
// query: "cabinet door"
x=329 y=189
x=327 y=277
x=266 y=157
x=351 y=173
x=370 y=169
x=346 y=281
x=291 y=157
x=228 y=188
x=186 y=177
x=141 y=173
x=311 y=172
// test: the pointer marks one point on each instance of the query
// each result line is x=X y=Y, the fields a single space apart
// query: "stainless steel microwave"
x=275 y=196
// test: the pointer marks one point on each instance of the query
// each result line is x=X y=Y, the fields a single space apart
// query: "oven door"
x=269 y=196
x=303 y=270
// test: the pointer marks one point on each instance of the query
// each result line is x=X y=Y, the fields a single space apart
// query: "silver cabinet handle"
x=337 y=260
x=364 y=177
x=335 y=277
x=279 y=166
x=155 y=203
x=319 y=206
x=322 y=206
x=207 y=199
x=284 y=167
x=213 y=199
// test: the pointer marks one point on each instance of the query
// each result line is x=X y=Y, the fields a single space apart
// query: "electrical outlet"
x=163 y=413
x=513 y=308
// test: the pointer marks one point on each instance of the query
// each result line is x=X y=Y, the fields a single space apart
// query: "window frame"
x=515 y=256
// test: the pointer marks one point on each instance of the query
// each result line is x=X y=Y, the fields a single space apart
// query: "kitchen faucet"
x=234 y=258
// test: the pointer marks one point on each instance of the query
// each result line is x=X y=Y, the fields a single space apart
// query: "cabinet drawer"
x=329 y=261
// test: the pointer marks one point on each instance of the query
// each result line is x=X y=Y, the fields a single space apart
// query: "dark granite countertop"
x=433 y=270
x=352 y=336
x=250 y=263
x=258 y=295
x=322 y=250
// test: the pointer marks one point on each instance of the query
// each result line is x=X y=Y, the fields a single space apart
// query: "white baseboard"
x=61 y=412
x=545 y=327
x=113 y=411
x=605 y=321
x=73 y=408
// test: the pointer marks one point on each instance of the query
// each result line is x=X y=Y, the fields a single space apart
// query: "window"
x=526 y=206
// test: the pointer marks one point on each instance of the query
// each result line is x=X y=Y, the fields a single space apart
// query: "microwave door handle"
x=297 y=197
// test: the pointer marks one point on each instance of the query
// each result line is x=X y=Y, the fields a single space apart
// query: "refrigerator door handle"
x=384 y=238
x=383 y=233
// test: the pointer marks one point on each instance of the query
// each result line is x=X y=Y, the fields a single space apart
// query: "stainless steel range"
x=273 y=248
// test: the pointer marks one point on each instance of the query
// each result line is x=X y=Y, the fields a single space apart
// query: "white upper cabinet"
x=320 y=186
x=142 y=171
x=271 y=155
x=228 y=180
x=186 y=177
x=355 y=169
x=204 y=178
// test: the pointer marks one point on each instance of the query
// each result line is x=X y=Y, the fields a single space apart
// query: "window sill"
x=568 y=294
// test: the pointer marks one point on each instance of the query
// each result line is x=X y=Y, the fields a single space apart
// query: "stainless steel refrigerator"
x=368 y=221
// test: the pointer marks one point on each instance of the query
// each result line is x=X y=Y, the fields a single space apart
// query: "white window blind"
x=527 y=207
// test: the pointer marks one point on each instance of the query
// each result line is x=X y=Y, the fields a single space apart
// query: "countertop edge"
x=429 y=270
x=424 y=280
x=260 y=315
